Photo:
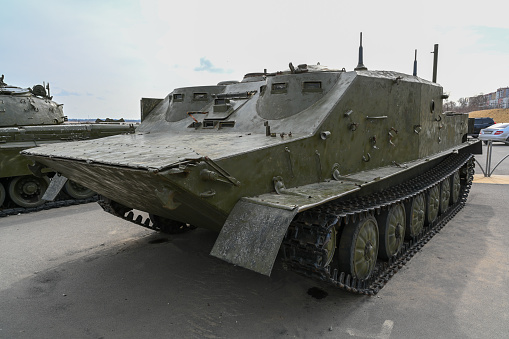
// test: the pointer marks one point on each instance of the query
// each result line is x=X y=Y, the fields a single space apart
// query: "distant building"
x=498 y=99
x=503 y=97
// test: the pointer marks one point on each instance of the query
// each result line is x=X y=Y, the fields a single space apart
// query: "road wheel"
x=432 y=203
x=358 y=248
x=76 y=191
x=391 y=225
x=415 y=216
x=170 y=226
x=113 y=207
x=2 y=194
x=27 y=191
x=445 y=194
x=455 y=187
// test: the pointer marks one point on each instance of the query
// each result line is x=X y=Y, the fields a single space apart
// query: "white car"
x=497 y=132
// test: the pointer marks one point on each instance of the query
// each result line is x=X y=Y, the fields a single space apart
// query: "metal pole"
x=360 y=66
x=415 y=64
x=435 y=62
x=488 y=158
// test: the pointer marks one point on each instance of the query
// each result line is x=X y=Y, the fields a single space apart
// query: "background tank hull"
x=30 y=118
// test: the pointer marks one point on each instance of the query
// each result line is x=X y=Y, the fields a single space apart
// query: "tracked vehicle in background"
x=29 y=117
x=348 y=173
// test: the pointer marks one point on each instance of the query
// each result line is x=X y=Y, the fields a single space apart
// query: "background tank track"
x=304 y=244
x=46 y=206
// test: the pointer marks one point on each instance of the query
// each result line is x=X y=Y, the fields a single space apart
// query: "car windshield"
x=499 y=126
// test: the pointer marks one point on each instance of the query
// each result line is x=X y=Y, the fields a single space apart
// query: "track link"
x=304 y=250
x=127 y=214
x=46 y=206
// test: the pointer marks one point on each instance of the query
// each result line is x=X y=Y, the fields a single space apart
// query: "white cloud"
x=121 y=51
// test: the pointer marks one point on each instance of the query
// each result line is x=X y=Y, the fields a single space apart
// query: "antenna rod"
x=360 y=66
x=435 y=62
x=415 y=64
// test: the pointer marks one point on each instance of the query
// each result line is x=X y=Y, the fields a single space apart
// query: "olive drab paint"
x=245 y=158
x=30 y=118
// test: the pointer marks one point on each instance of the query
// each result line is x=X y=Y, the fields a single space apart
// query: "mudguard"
x=252 y=235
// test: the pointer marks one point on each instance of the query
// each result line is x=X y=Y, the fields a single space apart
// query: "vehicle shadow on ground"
x=162 y=285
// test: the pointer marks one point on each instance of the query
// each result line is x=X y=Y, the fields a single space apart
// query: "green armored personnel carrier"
x=346 y=172
x=29 y=117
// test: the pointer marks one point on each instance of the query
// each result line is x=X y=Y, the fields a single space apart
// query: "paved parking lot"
x=78 y=272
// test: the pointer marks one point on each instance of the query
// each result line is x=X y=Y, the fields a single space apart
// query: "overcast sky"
x=100 y=57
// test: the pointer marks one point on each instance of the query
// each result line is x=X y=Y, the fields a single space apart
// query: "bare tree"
x=477 y=103
x=463 y=104
x=450 y=106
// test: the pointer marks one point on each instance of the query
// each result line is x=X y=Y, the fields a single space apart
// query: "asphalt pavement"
x=77 y=272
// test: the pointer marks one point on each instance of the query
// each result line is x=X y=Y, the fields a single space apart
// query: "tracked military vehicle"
x=348 y=173
x=29 y=117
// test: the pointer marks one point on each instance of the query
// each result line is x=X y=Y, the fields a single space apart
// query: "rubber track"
x=46 y=206
x=107 y=206
x=110 y=207
x=303 y=246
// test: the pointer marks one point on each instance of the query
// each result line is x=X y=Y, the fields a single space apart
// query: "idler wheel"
x=2 y=194
x=169 y=226
x=392 y=224
x=27 y=191
x=445 y=194
x=113 y=207
x=432 y=203
x=358 y=247
x=416 y=215
x=455 y=187
x=77 y=191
